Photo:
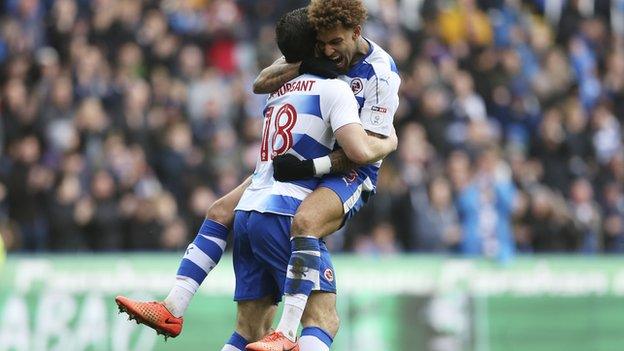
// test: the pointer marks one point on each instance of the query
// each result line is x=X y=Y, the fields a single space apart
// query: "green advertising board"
x=394 y=304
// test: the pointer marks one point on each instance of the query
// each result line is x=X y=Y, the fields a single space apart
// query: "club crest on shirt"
x=329 y=275
x=356 y=85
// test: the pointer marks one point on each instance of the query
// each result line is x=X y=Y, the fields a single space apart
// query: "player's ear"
x=357 y=31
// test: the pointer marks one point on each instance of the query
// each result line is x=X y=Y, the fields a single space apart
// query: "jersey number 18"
x=284 y=122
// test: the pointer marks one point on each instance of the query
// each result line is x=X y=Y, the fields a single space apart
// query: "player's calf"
x=321 y=312
x=253 y=321
x=254 y=318
x=320 y=322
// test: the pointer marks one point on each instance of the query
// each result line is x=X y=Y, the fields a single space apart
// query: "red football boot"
x=275 y=341
x=153 y=314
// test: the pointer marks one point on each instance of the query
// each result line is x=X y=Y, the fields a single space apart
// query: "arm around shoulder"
x=273 y=77
x=288 y=167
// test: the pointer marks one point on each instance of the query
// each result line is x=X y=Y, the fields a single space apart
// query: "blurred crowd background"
x=123 y=120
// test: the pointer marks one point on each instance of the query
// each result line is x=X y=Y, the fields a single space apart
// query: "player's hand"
x=319 y=66
x=288 y=167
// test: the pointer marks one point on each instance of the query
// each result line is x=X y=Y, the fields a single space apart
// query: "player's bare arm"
x=340 y=162
x=273 y=77
x=362 y=148
x=280 y=72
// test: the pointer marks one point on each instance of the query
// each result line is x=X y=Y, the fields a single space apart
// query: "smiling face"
x=340 y=44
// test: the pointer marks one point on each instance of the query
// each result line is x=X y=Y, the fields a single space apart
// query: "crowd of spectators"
x=123 y=120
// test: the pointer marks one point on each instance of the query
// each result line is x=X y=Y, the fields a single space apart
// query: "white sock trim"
x=186 y=283
x=311 y=343
x=198 y=257
x=309 y=252
x=217 y=241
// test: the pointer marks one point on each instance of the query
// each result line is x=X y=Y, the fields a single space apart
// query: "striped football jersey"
x=300 y=118
x=375 y=81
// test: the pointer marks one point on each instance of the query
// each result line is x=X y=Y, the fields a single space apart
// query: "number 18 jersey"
x=300 y=119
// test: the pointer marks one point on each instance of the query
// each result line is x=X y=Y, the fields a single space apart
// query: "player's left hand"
x=288 y=167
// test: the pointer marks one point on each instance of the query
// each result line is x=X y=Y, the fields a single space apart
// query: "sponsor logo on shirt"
x=379 y=109
x=385 y=80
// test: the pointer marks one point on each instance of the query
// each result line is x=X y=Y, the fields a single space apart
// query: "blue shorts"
x=261 y=255
x=352 y=188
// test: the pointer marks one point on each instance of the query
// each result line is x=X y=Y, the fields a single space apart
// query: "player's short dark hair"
x=295 y=36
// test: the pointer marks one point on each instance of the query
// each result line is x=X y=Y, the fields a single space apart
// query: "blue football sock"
x=201 y=256
x=301 y=278
x=236 y=343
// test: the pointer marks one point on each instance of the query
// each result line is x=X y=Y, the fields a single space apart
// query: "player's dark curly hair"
x=327 y=14
x=295 y=36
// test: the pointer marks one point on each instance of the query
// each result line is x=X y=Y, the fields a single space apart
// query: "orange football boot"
x=275 y=341
x=153 y=314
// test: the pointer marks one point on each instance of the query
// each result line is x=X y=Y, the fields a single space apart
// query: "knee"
x=303 y=224
x=220 y=214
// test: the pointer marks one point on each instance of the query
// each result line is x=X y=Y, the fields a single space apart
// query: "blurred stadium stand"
x=123 y=120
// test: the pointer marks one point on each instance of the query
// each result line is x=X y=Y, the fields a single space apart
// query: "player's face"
x=339 y=44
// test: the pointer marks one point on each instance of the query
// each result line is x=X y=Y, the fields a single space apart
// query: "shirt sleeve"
x=339 y=106
x=381 y=102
